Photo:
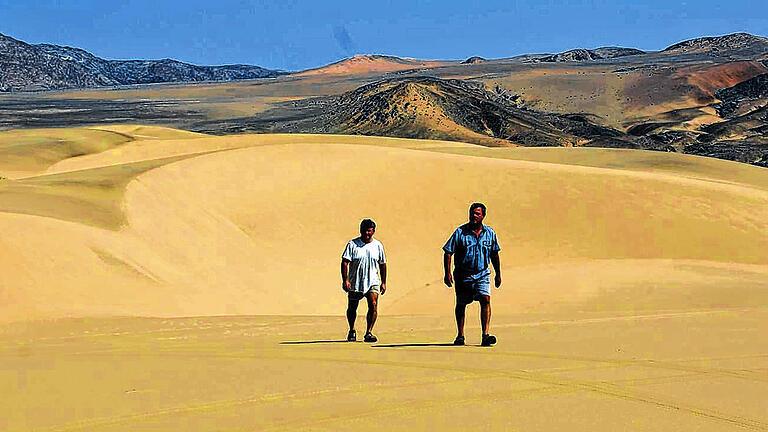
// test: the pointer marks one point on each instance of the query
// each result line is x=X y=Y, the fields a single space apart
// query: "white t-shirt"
x=364 y=267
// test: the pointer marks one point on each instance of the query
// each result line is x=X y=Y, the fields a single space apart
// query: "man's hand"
x=448 y=279
x=383 y=288
x=345 y=284
x=496 y=267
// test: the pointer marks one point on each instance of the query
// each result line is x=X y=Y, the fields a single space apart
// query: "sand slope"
x=255 y=224
x=634 y=298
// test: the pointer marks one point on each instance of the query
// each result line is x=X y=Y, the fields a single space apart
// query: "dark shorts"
x=469 y=291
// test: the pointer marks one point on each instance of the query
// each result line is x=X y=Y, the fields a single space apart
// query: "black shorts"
x=357 y=295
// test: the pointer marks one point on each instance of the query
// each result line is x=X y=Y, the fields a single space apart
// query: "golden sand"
x=170 y=281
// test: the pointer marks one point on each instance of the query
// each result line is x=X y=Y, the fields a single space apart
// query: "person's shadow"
x=315 y=342
x=414 y=345
x=372 y=345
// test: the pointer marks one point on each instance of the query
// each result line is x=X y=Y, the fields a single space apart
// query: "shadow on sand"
x=414 y=345
x=372 y=346
x=314 y=342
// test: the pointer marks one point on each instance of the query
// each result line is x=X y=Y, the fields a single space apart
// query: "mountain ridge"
x=27 y=67
x=581 y=54
x=729 y=45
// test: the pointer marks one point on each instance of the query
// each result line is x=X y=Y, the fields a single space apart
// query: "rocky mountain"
x=578 y=55
x=736 y=45
x=25 y=67
x=474 y=60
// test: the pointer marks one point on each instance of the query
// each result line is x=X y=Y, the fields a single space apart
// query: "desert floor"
x=155 y=279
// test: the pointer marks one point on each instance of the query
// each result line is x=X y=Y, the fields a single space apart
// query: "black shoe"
x=459 y=340
x=351 y=336
x=488 y=340
x=370 y=338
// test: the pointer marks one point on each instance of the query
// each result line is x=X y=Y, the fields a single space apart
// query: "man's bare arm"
x=383 y=275
x=345 y=284
x=447 y=278
x=496 y=267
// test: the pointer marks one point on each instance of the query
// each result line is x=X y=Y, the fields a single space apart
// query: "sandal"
x=459 y=340
x=370 y=338
x=351 y=336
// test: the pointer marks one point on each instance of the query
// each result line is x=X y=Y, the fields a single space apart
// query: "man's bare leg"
x=373 y=301
x=460 y=313
x=485 y=320
x=485 y=312
x=352 y=313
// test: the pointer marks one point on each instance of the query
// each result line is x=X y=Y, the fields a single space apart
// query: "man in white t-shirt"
x=363 y=274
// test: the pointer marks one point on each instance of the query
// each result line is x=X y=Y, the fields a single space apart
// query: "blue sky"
x=293 y=35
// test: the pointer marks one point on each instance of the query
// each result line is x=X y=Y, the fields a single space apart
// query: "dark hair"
x=476 y=205
x=367 y=223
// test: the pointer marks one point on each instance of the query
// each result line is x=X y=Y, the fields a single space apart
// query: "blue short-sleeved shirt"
x=472 y=253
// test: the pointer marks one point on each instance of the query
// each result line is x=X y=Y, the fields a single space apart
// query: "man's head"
x=476 y=213
x=367 y=228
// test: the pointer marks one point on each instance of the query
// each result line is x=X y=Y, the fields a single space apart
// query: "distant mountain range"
x=706 y=96
x=25 y=67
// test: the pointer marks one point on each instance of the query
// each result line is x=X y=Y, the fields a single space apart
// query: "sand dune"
x=25 y=152
x=254 y=224
x=634 y=297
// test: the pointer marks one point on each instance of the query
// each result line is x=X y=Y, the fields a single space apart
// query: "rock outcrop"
x=751 y=91
x=474 y=60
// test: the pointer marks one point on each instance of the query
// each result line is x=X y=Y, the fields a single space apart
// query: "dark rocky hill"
x=751 y=126
x=736 y=45
x=474 y=60
x=743 y=96
x=424 y=107
x=577 y=55
x=25 y=67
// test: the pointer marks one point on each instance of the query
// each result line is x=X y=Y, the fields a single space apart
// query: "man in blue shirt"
x=474 y=245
